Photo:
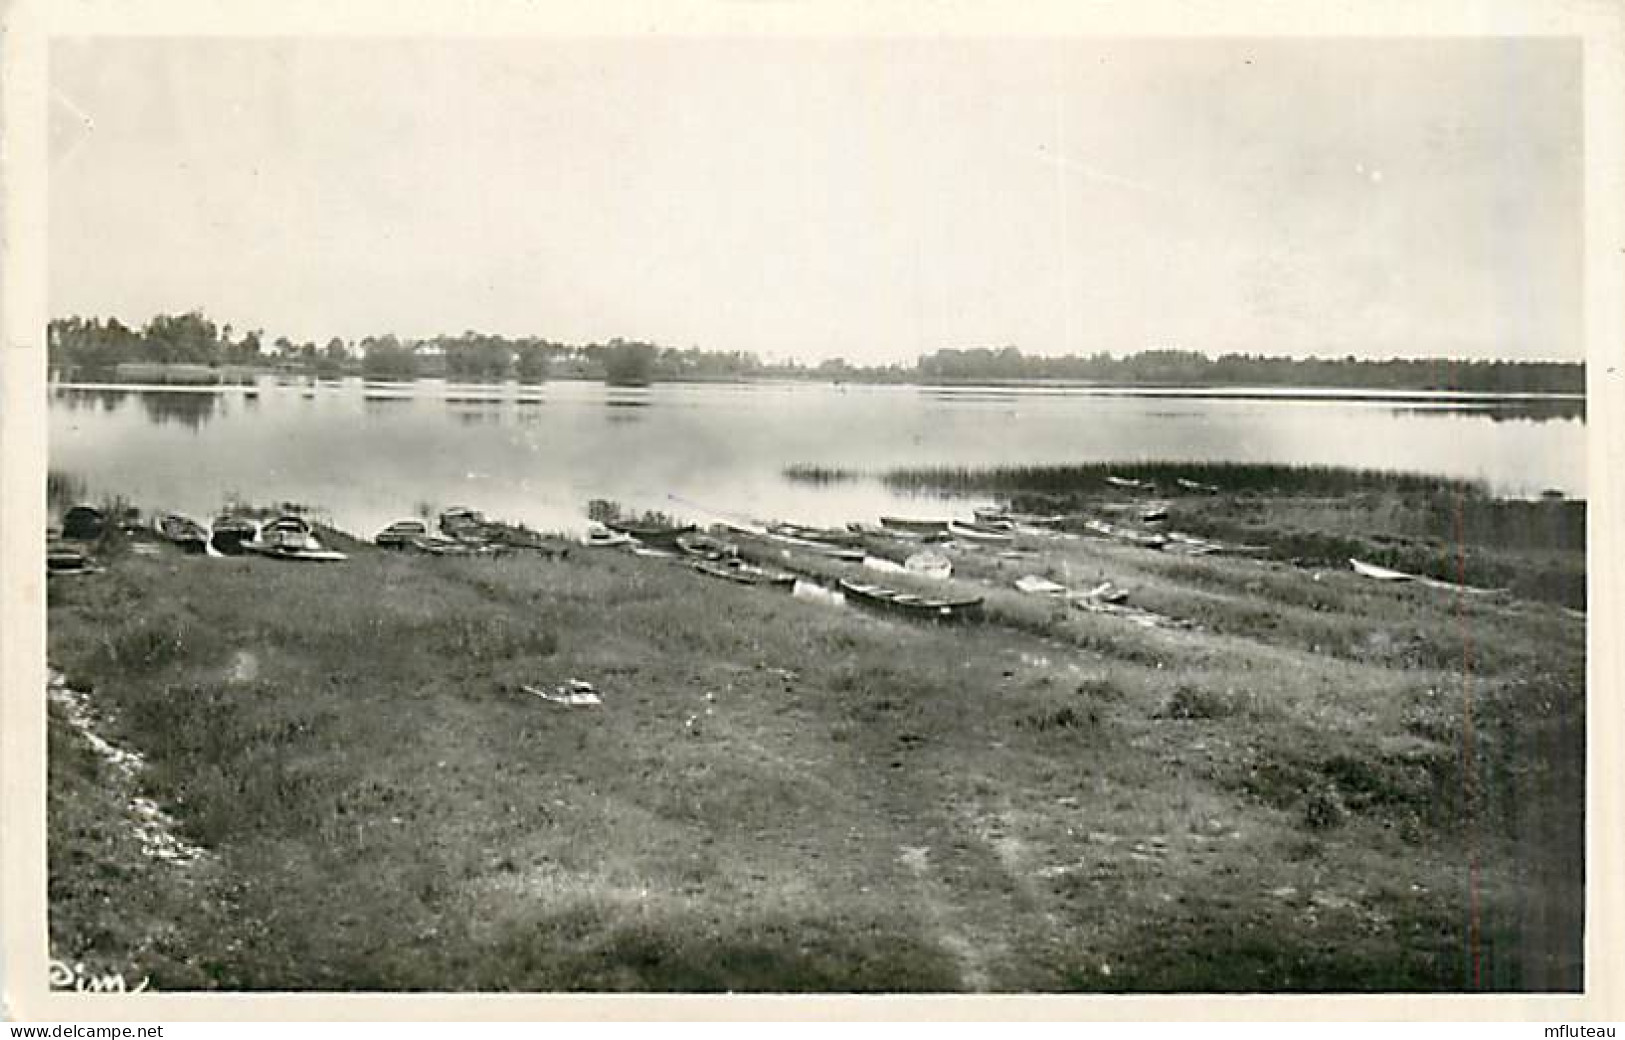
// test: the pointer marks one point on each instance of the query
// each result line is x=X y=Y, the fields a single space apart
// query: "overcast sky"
x=874 y=200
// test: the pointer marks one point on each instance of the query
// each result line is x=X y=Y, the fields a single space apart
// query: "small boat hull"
x=1012 y=521
x=910 y=605
x=745 y=574
x=183 y=531
x=1149 y=540
x=847 y=552
x=824 y=535
x=291 y=538
x=83 y=524
x=277 y=552
x=1371 y=570
x=402 y=534
x=229 y=533
x=659 y=536
x=704 y=547
x=979 y=533
x=64 y=560
x=603 y=538
x=912 y=526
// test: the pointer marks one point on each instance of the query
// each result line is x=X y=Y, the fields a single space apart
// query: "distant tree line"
x=1192 y=368
x=95 y=348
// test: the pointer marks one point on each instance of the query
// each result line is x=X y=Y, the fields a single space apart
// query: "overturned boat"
x=228 y=534
x=83 y=524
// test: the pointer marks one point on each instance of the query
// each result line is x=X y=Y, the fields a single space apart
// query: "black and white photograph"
x=846 y=513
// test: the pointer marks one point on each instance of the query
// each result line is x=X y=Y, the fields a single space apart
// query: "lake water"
x=367 y=453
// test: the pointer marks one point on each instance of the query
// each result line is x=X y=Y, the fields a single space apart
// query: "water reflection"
x=1535 y=411
x=92 y=397
x=186 y=408
x=628 y=397
x=974 y=396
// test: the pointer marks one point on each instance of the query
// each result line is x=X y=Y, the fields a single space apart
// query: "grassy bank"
x=780 y=794
x=1453 y=530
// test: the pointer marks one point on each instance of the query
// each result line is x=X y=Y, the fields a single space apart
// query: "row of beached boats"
x=461 y=531
x=288 y=537
x=717 y=557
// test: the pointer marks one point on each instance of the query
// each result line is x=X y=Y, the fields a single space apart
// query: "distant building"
x=431 y=359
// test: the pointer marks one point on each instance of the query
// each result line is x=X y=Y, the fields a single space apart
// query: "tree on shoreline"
x=629 y=363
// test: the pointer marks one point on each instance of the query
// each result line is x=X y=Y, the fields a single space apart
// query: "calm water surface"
x=367 y=453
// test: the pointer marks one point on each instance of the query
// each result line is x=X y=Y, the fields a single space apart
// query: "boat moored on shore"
x=291 y=538
x=908 y=604
x=228 y=534
x=182 y=531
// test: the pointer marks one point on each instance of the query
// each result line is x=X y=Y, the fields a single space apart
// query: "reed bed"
x=810 y=473
x=1228 y=477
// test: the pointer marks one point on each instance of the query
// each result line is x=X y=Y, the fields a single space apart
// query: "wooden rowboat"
x=826 y=535
x=821 y=548
x=705 y=547
x=402 y=534
x=662 y=536
x=291 y=538
x=908 y=604
x=912 y=526
x=1150 y=540
x=979 y=533
x=185 y=532
x=742 y=573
